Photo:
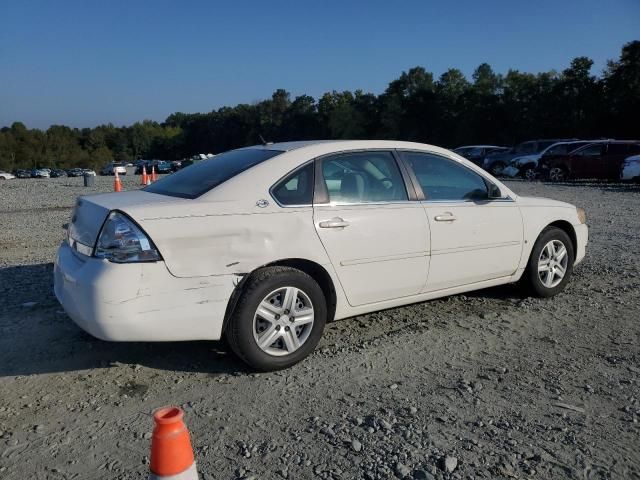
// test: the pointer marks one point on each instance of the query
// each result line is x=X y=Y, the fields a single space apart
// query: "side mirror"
x=493 y=192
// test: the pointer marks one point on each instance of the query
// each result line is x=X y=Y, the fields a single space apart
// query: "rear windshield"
x=199 y=178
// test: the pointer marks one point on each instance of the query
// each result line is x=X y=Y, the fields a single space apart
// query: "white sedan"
x=6 y=176
x=265 y=244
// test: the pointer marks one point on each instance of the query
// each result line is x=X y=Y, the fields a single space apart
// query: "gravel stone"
x=516 y=395
x=450 y=464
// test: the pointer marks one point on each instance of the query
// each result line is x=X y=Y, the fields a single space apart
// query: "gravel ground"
x=491 y=384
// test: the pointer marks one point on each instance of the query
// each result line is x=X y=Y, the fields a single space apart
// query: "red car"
x=601 y=160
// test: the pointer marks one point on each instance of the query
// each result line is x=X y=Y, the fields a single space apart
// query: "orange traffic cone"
x=154 y=176
x=171 y=452
x=144 y=180
x=117 y=184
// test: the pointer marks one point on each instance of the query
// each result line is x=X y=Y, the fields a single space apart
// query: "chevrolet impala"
x=264 y=245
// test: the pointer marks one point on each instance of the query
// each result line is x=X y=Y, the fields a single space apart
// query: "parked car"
x=495 y=163
x=398 y=223
x=526 y=166
x=6 y=176
x=57 y=172
x=160 y=167
x=188 y=162
x=39 y=173
x=112 y=168
x=631 y=169
x=75 y=172
x=21 y=173
x=599 y=160
x=477 y=153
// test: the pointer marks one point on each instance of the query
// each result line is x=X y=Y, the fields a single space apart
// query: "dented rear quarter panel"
x=218 y=244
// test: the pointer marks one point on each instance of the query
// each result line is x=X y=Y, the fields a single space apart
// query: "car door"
x=587 y=162
x=376 y=238
x=473 y=238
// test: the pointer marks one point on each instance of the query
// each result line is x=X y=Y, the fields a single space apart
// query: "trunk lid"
x=91 y=211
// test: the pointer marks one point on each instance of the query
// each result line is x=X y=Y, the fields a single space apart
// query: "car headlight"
x=582 y=215
x=122 y=241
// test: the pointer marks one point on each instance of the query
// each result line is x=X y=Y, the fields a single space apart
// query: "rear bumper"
x=139 y=301
x=582 y=238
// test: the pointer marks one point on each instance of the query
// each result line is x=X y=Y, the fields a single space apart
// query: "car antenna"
x=264 y=142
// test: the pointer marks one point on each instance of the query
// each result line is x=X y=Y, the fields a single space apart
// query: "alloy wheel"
x=283 y=321
x=529 y=174
x=556 y=174
x=552 y=263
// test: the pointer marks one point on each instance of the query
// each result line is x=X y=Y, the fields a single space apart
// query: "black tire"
x=528 y=173
x=532 y=276
x=557 y=174
x=239 y=330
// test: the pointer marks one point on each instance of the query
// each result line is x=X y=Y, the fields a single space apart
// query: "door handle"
x=335 y=222
x=448 y=217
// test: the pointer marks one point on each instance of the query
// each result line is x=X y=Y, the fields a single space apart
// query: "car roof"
x=288 y=146
x=479 y=146
x=293 y=154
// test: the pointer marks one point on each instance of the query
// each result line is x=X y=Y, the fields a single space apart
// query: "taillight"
x=122 y=241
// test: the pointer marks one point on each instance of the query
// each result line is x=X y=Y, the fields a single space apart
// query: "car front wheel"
x=529 y=174
x=278 y=320
x=551 y=263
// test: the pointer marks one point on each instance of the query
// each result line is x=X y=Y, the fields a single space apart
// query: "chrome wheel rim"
x=530 y=174
x=552 y=263
x=556 y=174
x=283 y=321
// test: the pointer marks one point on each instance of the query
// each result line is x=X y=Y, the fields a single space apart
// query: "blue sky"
x=82 y=63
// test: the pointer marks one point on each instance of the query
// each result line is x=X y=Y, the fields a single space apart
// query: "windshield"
x=199 y=178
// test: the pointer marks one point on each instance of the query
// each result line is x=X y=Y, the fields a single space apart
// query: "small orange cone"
x=144 y=180
x=171 y=452
x=154 y=176
x=117 y=184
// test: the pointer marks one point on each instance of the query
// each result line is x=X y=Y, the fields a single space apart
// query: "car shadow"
x=36 y=336
x=511 y=292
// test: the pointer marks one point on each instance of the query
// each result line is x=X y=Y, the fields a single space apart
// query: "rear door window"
x=590 y=151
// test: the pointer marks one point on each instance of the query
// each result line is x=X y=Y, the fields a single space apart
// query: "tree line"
x=451 y=110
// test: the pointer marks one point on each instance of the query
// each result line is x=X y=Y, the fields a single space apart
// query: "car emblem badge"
x=262 y=203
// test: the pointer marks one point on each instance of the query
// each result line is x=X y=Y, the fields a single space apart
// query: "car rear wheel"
x=557 y=174
x=278 y=320
x=551 y=263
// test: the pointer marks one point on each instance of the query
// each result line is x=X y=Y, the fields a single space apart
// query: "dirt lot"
x=487 y=385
